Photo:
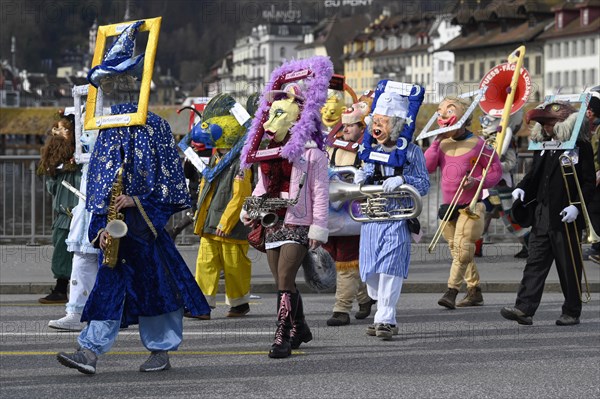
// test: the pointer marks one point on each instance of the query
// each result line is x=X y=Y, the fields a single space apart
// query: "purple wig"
x=308 y=126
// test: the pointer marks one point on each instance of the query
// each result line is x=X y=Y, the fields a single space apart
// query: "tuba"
x=373 y=202
x=115 y=226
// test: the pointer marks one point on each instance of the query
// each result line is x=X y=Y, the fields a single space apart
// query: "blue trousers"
x=158 y=333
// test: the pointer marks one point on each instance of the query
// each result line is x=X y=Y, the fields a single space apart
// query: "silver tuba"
x=372 y=200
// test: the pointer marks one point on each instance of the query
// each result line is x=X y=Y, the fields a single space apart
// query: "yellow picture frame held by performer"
x=119 y=62
x=135 y=177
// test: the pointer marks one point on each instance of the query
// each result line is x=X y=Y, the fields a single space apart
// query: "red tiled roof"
x=572 y=28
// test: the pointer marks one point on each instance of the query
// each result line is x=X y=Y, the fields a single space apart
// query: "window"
x=481 y=69
x=585 y=17
x=593 y=77
x=461 y=72
x=574 y=79
x=574 y=48
x=549 y=79
x=492 y=65
x=441 y=65
x=282 y=52
x=538 y=65
x=471 y=71
x=556 y=50
x=559 y=22
x=565 y=81
x=549 y=50
x=565 y=49
x=556 y=79
x=526 y=63
x=593 y=46
x=583 y=76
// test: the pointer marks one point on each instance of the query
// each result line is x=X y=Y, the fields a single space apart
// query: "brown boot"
x=449 y=298
x=473 y=298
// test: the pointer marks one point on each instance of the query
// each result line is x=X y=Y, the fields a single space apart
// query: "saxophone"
x=115 y=226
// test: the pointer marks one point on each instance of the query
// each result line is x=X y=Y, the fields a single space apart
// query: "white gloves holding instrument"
x=392 y=183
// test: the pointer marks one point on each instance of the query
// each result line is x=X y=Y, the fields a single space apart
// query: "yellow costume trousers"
x=216 y=255
x=461 y=236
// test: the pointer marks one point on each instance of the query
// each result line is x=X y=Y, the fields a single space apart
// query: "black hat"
x=521 y=213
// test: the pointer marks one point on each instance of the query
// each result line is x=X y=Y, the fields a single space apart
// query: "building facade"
x=572 y=48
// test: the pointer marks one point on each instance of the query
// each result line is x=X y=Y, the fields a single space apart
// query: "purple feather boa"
x=308 y=126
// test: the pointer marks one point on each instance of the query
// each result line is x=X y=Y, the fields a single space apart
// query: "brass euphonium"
x=115 y=226
x=372 y=200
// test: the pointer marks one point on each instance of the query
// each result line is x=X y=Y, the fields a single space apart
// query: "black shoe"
x=238 y=311
x=516 y=315
x=522 y=254
x=338 y=319
x=566 y=320
x=449 y=298
x=364 y=309
x=189 y=315
x=54 y=297
x=300 y=334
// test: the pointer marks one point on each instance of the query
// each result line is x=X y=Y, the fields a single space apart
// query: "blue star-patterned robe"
x=151 y=277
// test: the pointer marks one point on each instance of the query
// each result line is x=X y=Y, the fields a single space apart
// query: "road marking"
x=47 y=305
x=132 y=333
x=181 y=353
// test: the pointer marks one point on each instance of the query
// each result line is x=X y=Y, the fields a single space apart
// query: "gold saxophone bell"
x=567 y=162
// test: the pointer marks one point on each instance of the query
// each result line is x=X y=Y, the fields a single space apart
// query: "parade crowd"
x=296 y=172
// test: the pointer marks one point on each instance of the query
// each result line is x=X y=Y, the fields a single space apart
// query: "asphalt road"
x=467 y=353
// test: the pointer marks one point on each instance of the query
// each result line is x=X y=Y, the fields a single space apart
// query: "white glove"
x=569 y=214
x=518 y=194
x=392 y=183
x=360 y=177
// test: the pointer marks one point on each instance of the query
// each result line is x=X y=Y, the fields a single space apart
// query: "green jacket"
x=63 y=200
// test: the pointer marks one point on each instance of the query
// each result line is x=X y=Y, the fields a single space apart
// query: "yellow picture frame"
x=93 y=121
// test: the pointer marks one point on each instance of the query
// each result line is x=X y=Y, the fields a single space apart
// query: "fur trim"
x=308 y=127
x=350 y=265
x=562 y=130
x=318 y=233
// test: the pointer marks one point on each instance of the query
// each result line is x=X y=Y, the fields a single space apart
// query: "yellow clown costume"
x=223 y=244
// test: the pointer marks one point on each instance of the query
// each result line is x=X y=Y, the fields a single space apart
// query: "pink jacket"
x=312 y=208
x=458 y=161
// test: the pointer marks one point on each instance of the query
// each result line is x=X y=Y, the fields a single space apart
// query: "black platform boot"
x=281 y=347
x=300 y=332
